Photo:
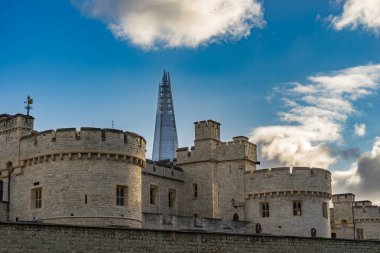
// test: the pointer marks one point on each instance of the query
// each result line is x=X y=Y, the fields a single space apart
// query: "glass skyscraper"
x=165 y=134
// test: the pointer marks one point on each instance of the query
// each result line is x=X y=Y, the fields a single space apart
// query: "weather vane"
x=28 y=107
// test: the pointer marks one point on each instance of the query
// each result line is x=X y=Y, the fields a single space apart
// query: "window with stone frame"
x=153 y=195
x=359 y=234
x=195 y=191
x=36 y=198
x=324 y=210
x=264 y=207
x=121 y=195
x=172 y=198
x=297 y=208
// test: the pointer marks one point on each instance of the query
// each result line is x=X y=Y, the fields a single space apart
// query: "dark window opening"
x=195 y=191
x=172 y=198
x=264 y=210
x=1 y=190
x=297 y=208
x=236 y=217
x=153 y=194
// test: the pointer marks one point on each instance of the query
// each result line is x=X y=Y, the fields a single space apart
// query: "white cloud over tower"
x=155 y=24
x=314 y=116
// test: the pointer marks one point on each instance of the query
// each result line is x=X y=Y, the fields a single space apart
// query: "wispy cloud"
x=360 y=129
x=155 y=24
x=358 y=13
x=315 y=115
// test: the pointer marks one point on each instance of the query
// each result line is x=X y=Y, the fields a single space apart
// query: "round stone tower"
x=92 y=176
x=289 y=202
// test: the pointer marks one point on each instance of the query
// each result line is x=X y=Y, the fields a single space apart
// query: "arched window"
x=343 y=223
x=236 y=217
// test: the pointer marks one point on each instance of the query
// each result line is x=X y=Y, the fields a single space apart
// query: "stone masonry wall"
x=53 y=238
x=78 y=173
x=280 y=187
x=3 y=211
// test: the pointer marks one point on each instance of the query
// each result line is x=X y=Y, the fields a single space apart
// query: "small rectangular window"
x=324 y=210
x=153 y=194
x=36 y=198
x=172 y=197
x=297 y=208
x=195 y=191
x=264 y=210
x=121 y=195
x=360 y=234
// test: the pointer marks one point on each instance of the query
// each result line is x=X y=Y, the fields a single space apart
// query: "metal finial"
x=28 y=107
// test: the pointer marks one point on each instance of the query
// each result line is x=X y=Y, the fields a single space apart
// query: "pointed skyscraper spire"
x=165 y=134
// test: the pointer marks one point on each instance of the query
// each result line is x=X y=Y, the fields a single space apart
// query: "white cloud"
x=360 y=129
x=359 y=13
x=176 y=23
x=363 y=178
x=315 y=116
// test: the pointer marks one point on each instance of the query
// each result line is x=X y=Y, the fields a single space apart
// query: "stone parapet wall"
x=87 y=140
x=53 y=238
x=299 y=180
x=158 y=221
x=238 y=149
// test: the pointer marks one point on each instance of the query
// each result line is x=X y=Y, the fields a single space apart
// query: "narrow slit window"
x=195 y=191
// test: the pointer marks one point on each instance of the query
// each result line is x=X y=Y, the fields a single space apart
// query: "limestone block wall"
x=343 y=225
x=371 y=228
x=78 y=173
x=158 y=221
x=164 y=179
x=3 y=211
x=49 y=238
x=230 y=189
x=203 y=176
x=280 y=188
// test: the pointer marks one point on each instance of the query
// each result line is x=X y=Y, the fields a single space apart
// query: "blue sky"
x=87 y=63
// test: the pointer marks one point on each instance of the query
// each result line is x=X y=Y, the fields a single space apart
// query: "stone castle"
x=101 y=177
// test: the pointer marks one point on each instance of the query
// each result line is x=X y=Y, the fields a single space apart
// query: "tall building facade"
x=165 y=135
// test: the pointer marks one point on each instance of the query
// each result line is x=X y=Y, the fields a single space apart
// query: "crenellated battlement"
x=237 y=149
x=207 y=130
x=300 y=180
x=87 y=140
x=10 y=123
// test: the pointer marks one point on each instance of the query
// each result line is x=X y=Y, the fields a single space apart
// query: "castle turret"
x=343 y=225
x=214 y=172
x=207 y=130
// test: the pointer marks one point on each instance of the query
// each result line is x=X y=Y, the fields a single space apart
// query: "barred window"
x=36 y=198
x=264 y=210
x=297 y=208
x=121 y=195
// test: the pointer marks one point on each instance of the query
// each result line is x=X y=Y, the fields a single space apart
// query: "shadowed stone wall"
x=55 y=238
